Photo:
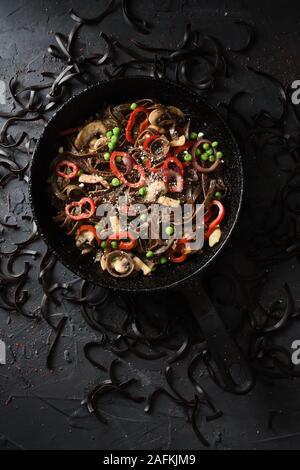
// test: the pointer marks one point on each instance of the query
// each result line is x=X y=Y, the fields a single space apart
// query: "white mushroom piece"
x=84 y=241
x=119 y=263
x=178 y=142
x=215 y=237
x=168 y=201
x=93 y=179
x=166 y=116
x=139 y=265
x=88 y=133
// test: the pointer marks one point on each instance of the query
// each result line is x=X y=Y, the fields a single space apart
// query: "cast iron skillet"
x=224 y=350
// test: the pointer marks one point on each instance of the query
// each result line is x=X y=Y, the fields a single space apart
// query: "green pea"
x=115 y=182
x=193 y=135
x=210 y=152
x=107 y=156
x=119 y=159
x=219 y=155
x=114 y=244
x=188 y=157
x=198 y=152
x=114 y=139
x=142 y=191
x=218 y=195
x=206 y=146
x=149 y=254
x=133 y=106
x=103 y=245
x=212 y=158
x=116 y=131
x=204 y=157
x=144 y=217
x=169 y=230
x=163 y=260
x=215 y=144
x=109 y=134
x=111 y=146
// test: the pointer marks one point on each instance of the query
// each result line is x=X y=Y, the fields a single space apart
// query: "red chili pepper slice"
x=131 y=123
x=144 y=125
x=81 y=203
x=69 y=165
x=113 y=164
x=115 y=170
x=175 y=161
x=89 y=228
x=124 y=245
x=177 y=255
x=140 y=182
x=217 y=220
x=148 y=141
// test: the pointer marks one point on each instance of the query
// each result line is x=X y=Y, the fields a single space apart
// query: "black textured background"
x=35 y=402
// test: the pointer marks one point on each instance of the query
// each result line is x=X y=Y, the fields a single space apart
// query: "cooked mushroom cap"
x=119 y=263
x=163 y=116
x=88 y=133
x=84 y=238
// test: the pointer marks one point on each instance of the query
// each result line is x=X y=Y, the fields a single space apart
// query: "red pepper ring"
x=123 y=244
x=131 y=123
x=177 y=255
x=89 y=228
x=115 y=170
x=174 y=160
x=140 y=182
x=113 y=164
x=212 y=226
x=81 y=203
x=148 y=141
x=69 y=165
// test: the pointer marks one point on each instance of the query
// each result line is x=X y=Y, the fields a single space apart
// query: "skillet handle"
x=232 y=366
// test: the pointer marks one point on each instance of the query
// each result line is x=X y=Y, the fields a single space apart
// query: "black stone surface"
x=35 y=402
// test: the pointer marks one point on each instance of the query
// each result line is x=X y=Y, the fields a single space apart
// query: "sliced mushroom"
x=141 y=266
x=84 y=238
x=215 y=237
x=93 y=179
x=160 y=117
x=119 y=263
x=91 y=130
x=103 y=262
x=178 y=142
x=98 y=144
x=168 y=201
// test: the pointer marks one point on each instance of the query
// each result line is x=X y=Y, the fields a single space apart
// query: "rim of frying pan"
x=121 y=287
